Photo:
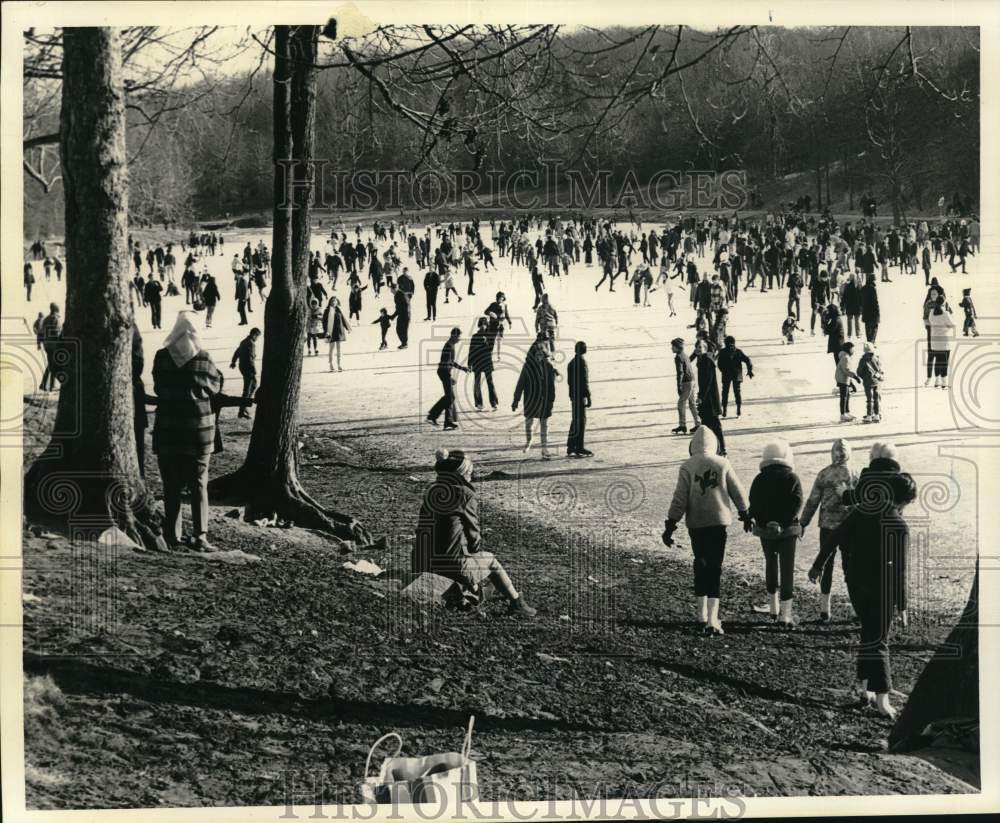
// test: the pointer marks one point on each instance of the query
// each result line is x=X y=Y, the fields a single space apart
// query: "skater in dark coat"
x=578 y=377
x=870 y=314
x=481 y=364
x=709 y=406
x=833 y=328
x=537 y=385
x=731 y=362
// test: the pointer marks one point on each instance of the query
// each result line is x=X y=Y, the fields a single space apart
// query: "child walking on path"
x=706 y=483
x=826 y=498
x=775 y=501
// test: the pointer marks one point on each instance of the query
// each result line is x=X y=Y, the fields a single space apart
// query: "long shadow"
x=77 y=676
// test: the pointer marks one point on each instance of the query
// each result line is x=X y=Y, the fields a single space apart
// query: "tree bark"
x=88 y=476
x=268 y=482
x=948 y=688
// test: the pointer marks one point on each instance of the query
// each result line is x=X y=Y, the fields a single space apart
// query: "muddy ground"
x=193 y=680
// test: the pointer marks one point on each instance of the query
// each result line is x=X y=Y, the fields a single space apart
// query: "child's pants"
x=969 y=325
x=845 y=398
x=709 y=547
x=826 y=577
x=726 y=383
x=685 y=400
x=872 y=399
x=779 y=565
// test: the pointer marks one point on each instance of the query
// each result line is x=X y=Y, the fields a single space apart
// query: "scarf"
x=182 y=342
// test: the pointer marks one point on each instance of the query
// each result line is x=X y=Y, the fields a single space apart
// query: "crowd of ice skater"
x=838 y=267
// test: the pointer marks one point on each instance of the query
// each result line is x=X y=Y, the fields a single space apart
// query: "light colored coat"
x=706 y=483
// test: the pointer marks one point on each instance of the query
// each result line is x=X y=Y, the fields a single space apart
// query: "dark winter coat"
x=708 y=386
x=869 y=304
x=447 y=526
x=537 y=384
x=185 y=421
x=731 y=364
x=775 y=495
x=481 y=352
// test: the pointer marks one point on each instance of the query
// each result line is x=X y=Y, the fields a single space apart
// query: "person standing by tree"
x=51 y=336
x=578 y=376
x=246 y=357
x=446 y=404
x=185 y=381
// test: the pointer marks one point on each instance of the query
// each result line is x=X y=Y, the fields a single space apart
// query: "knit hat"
x=884 y=450
x=777 y=452
x=451 y=461
x=869 y=347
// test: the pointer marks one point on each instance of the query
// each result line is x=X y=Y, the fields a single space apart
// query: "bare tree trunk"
x=948 y=688
x=268 y=482
x=88 y=476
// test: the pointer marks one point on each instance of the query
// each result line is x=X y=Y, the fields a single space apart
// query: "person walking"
x=29 y=279
x=731 y=362
x=211 y=296
x=578 y=376
x=547 y=322
x=874 y=537
x=242 y=296
x=536 y=384
x=246 y=357
x=185 y=381
x=706 y=483
x=153 y=295
x=446 y=364
x=337 y=329
x=870 y=314
x=775 y=501
x=825 y=497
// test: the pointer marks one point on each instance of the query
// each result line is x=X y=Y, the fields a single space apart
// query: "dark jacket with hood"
x=775 y=497
x=447 y=525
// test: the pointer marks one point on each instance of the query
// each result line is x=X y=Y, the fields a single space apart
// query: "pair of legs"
x=736 y=384
x=871 y=331
x=827 y=542
x=872 y=400
x=477 y=390
x=577 y=428
x=845 y=398
x=529 y=424
x=779 y=574
x=334 y=349
x=249 y=388
x=177 y=472
x=708 y=544
x=685 y=401
x=446 y=403
x=710 y=419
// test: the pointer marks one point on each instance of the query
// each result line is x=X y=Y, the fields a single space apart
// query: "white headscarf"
x=182 y=342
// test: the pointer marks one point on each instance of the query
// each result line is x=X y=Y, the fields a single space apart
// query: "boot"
x=518 y=608
x=714 y=626
x=679 y=430
x=785 y=619
x=775 y=605
x=885 y=708
x=824 y=609
x=701 y=606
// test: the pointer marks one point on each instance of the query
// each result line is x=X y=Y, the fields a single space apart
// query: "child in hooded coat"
x=775 y=501
x=706 y=483
x=870 y=372
x=826 y=498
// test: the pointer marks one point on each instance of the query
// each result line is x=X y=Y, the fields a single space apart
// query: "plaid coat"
x=185 y=421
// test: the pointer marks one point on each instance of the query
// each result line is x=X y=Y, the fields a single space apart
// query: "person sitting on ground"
x=448 y=537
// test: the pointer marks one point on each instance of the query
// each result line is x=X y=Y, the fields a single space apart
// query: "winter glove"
x=513 y=406
x=669 y=527
x=813 y=574
x=588 y=403
x=750 y=375
x=747 y=521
